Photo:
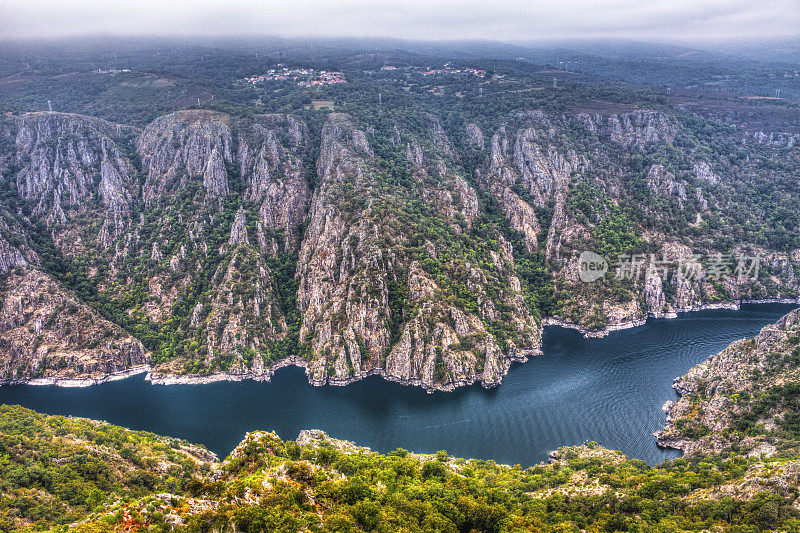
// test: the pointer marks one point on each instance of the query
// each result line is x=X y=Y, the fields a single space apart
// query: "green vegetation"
x=783 y=399
x=172 y=280
x=58 y=470
x=754 y=389
x=610 y=207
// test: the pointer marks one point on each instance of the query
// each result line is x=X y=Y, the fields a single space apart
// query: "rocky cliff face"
x=524 y=159
x=47 y=333
x=247 y=193
x=10 y=257
x=343 y=273
x=368 y=305
x=186 y=147
x=423 y=259
x=636 y=129
x=744 y=397
x=580 y=182
x=270 y=156
x=217 y=200
x=663 y=182
x=70 y=163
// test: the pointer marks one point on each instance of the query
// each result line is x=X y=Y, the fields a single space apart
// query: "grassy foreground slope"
x=59 y=473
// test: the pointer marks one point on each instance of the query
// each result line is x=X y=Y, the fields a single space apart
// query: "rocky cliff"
x=47 y=332
x=744 y=398
x=369 y=303
x=424 y=253
x=612 y=185
x=71 y=164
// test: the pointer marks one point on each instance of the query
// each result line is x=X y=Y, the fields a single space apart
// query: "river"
x=609 y=390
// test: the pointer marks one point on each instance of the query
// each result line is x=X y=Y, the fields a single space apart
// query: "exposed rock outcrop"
x=349 y=312
x=663 y=182
x=275 y=176
x=719 y=395
x=638 y=128
x=10 y=257
x=238 y=229
x=475 y=136
x=523 y=159
x=67 y=161
x=343 y=300
x=203 y=229
x=47 y=333
x=654 y=293
x=186 y=148
x=703 y=172
x=243 y=319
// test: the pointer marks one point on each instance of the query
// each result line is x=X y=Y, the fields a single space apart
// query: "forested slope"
x=421 y=247
x=99 y=477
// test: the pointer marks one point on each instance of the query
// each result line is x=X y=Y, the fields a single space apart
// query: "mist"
x=505 y=20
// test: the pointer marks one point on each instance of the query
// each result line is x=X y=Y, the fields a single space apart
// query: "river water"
x=609 y=390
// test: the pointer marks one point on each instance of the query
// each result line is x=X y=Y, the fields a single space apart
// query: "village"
x=447 y=69
x=305 y=77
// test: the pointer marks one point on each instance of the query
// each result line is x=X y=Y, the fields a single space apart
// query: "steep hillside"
x=58 y=471
x=428 y=249
x=46 y=332
x=638 y=187
x=392 y=275
x=746 y=398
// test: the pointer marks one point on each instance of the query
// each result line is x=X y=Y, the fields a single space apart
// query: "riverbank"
x=717 y=391
x=87 y=381
x=605 y=331
x=178 y=379
x=607 y=390
x=157 y=378
x=519 y=357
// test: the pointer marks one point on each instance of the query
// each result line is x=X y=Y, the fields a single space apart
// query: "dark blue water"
x=609 y=390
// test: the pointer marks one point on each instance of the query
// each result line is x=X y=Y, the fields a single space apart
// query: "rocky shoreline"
x=156 y=378
x=604 y=332
x=80 y=382
x=177 y=379
x=593 y=333
x=445 y=387
x=721 y=376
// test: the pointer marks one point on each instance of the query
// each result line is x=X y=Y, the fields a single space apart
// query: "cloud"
x=505 y=20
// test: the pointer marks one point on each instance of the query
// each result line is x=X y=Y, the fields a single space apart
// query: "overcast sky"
x=505 y=20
